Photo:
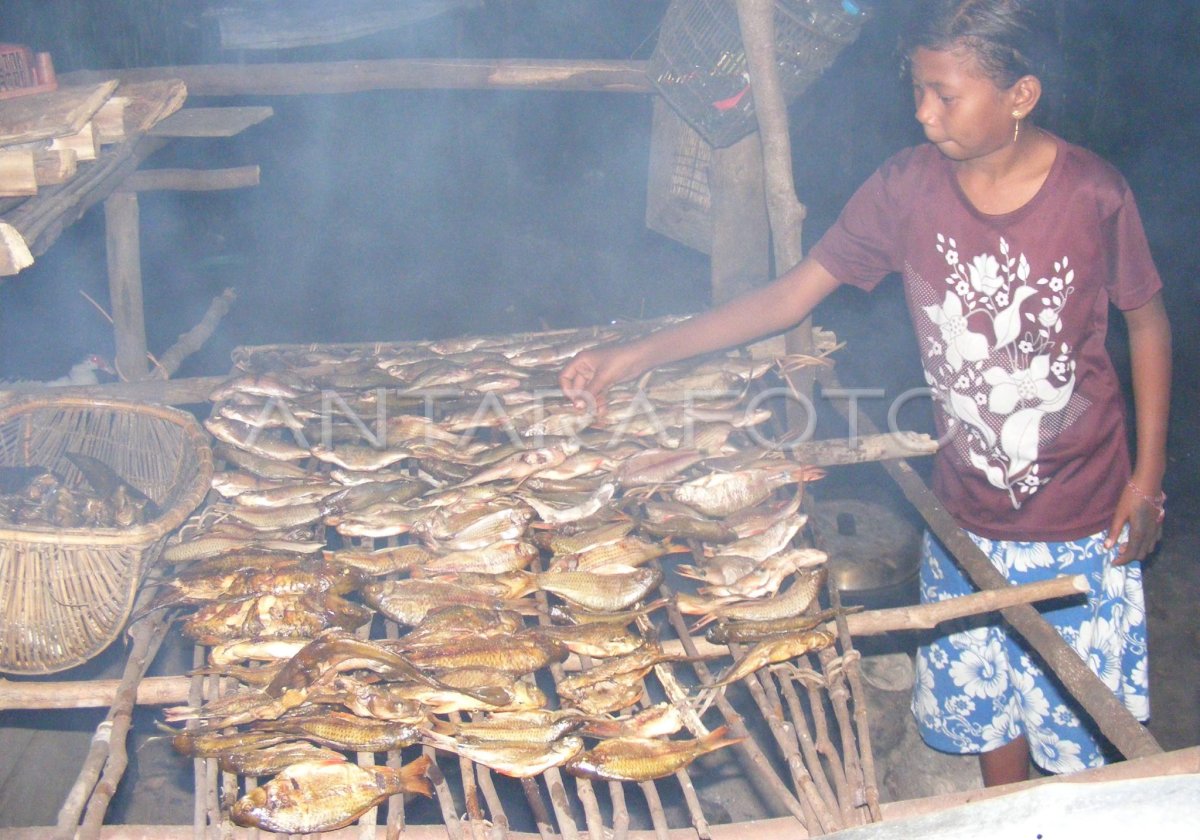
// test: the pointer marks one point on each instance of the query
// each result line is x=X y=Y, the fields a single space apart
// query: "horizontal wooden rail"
x=291 y=79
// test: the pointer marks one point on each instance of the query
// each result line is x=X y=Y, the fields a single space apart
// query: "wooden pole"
x=756 y=18
x=388 y=74
x=188 y=391
x=125 y=284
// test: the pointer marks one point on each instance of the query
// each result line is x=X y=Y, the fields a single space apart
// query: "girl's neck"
x=1008 y=179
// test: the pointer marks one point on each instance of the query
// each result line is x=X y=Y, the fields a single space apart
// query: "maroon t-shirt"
x=1011 y=313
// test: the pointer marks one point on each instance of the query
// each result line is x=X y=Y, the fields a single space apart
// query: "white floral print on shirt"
x=995 y=363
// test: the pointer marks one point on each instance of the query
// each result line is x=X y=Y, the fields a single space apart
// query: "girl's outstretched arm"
x=761 y=312
x=1150 y=357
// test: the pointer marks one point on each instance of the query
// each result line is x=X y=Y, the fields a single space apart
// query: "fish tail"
x=719 y=738
x=414 y=779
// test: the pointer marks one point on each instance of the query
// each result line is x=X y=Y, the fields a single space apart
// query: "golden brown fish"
x=773 y=651
x=605 y=593
x=519 y=759
x=323 y=795
x=644 y=759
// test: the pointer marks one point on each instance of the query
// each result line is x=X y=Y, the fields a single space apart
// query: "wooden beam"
x=187 y=391
x=299 y=78
x=191 y=180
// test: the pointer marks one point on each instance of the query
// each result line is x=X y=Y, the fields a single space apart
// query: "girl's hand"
x=1138 y=511
x=592 y=372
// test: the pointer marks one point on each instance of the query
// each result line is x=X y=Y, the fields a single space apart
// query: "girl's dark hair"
x=1009 y=38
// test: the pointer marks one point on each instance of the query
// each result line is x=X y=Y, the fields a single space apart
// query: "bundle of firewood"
x=44 y=136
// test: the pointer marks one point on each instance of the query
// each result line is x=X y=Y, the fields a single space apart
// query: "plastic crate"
x=22 y=73
x=699 y=65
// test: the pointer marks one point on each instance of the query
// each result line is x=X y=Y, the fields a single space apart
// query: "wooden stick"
x=860 y=450
x=195 y=338
x=754 y=761
x=857 y=698
x=107 y=759
x=787 y=741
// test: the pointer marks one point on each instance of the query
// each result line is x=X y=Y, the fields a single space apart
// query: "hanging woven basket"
x=700 y=67
x=66 y=593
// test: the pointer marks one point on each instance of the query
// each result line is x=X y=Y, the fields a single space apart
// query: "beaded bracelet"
x=1159 y=504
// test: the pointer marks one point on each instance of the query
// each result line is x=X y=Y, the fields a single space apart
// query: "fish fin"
x=413 y=776
x=689 y=571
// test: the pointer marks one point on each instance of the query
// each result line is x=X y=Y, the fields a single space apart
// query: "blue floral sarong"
x=979 y=688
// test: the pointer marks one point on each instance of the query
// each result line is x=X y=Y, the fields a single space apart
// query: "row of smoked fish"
x=449 y=488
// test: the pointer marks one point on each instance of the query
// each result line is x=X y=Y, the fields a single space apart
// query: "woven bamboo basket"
x=65 y=593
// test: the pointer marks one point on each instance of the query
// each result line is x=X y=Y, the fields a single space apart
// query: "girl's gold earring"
x=1016 y=125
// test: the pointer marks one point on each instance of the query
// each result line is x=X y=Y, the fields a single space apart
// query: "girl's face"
x=962 y=111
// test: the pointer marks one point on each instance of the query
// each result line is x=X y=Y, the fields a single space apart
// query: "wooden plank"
x=191 y=180
x=55 y=166
x=211 y=122
x=18 y=173
x=84 y=143
x=109 y=121
x=391 y=74
x=55 y=114
x=125 y=284
x=151 y=102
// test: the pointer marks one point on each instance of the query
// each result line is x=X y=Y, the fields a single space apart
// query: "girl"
x=1011 y=244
